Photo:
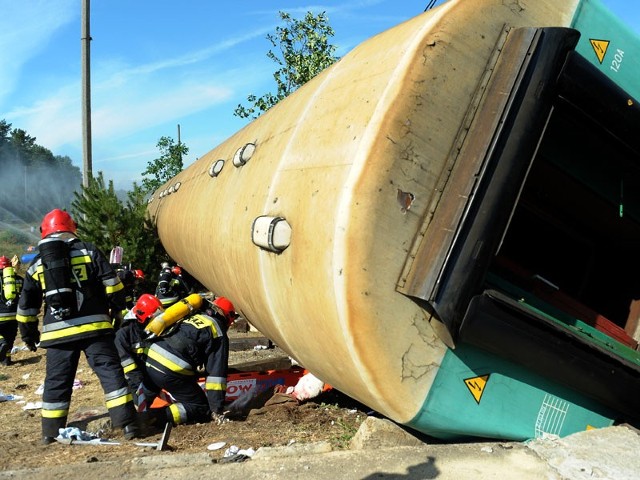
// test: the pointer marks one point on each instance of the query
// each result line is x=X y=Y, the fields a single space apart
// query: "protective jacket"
x=128 y=281
x=8 y=305
x=131 y=342
x=172 y=287
x=9 y=298
x=173 y=362
x=98 y=291
x=83 y=326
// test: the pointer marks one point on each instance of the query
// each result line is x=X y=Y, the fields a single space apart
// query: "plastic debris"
x=9 y=397
x=216 y=445
x=309 y=386
x=76 y=434
x=235 y=454
x=77 y=384
x=32 y=406
x=40 y=389
x=235 y=458
x=235 y=450
x=232 y=450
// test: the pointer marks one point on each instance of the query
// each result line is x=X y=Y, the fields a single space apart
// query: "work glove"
x=218 y=418
x=8 y=303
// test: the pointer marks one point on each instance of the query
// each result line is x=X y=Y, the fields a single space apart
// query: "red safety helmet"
x=138 y=274
x=227 y=308
x=147 y=307
x=176 y=270
x=57 y=221
x=4 y=262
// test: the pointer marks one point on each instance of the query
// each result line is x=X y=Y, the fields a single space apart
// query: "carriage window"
x=576 y=225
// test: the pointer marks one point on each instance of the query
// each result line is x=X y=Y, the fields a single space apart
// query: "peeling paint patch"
x=405 y=200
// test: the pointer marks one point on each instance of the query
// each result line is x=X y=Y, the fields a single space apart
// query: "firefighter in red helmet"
x=9 y=295
x=57 y=221
x=131 y=343
x=80 y=289
x=171 y=361
x=226 y=308
x=138 y=284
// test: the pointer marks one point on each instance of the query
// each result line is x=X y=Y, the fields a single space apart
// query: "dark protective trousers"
x=191 y=404
x=62 y=364
x=8 y=332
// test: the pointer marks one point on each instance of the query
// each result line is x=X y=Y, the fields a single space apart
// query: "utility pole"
x=179 y=149
x=86 y=94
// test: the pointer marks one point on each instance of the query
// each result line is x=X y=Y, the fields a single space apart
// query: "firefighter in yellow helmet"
x=9 y=295
x=172 y=360
x=80 y=290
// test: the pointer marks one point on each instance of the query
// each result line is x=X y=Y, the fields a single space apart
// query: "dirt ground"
x=331 y=416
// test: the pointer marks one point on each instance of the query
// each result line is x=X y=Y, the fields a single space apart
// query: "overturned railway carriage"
x=443 y=225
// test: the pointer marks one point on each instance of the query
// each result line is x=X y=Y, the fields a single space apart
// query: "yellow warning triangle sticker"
x=476 y=386
x=600 y=47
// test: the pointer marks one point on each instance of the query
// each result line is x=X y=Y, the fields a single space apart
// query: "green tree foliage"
x=142 y=245
x=108 y=222
x=97 y=211
x=167 y=166
x=304 y=51
x=35 y=180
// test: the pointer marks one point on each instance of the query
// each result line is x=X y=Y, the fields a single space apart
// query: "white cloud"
x=121 y=116
x=126 y=98
x=25 y=29
x=133 y=102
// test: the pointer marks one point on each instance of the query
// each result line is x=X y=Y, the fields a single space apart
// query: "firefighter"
x=128 y=279
x=174 y=283
x=9 y=295
x=133 y=281
x=138 y=284
x=171 y=361
x=79 y=288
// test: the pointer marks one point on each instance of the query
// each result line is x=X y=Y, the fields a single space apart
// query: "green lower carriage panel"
x=479 y=394
x=609 y=43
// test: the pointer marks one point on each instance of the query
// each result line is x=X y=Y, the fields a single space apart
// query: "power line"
x=430 y=5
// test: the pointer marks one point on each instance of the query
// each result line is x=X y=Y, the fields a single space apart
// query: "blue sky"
x=159 y=64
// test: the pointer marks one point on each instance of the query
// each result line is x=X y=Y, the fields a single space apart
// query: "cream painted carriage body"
x=332 y=221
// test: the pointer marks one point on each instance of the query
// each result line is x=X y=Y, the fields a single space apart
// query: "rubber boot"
x=153 y=420
x=5 y=358
x=131 y=431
